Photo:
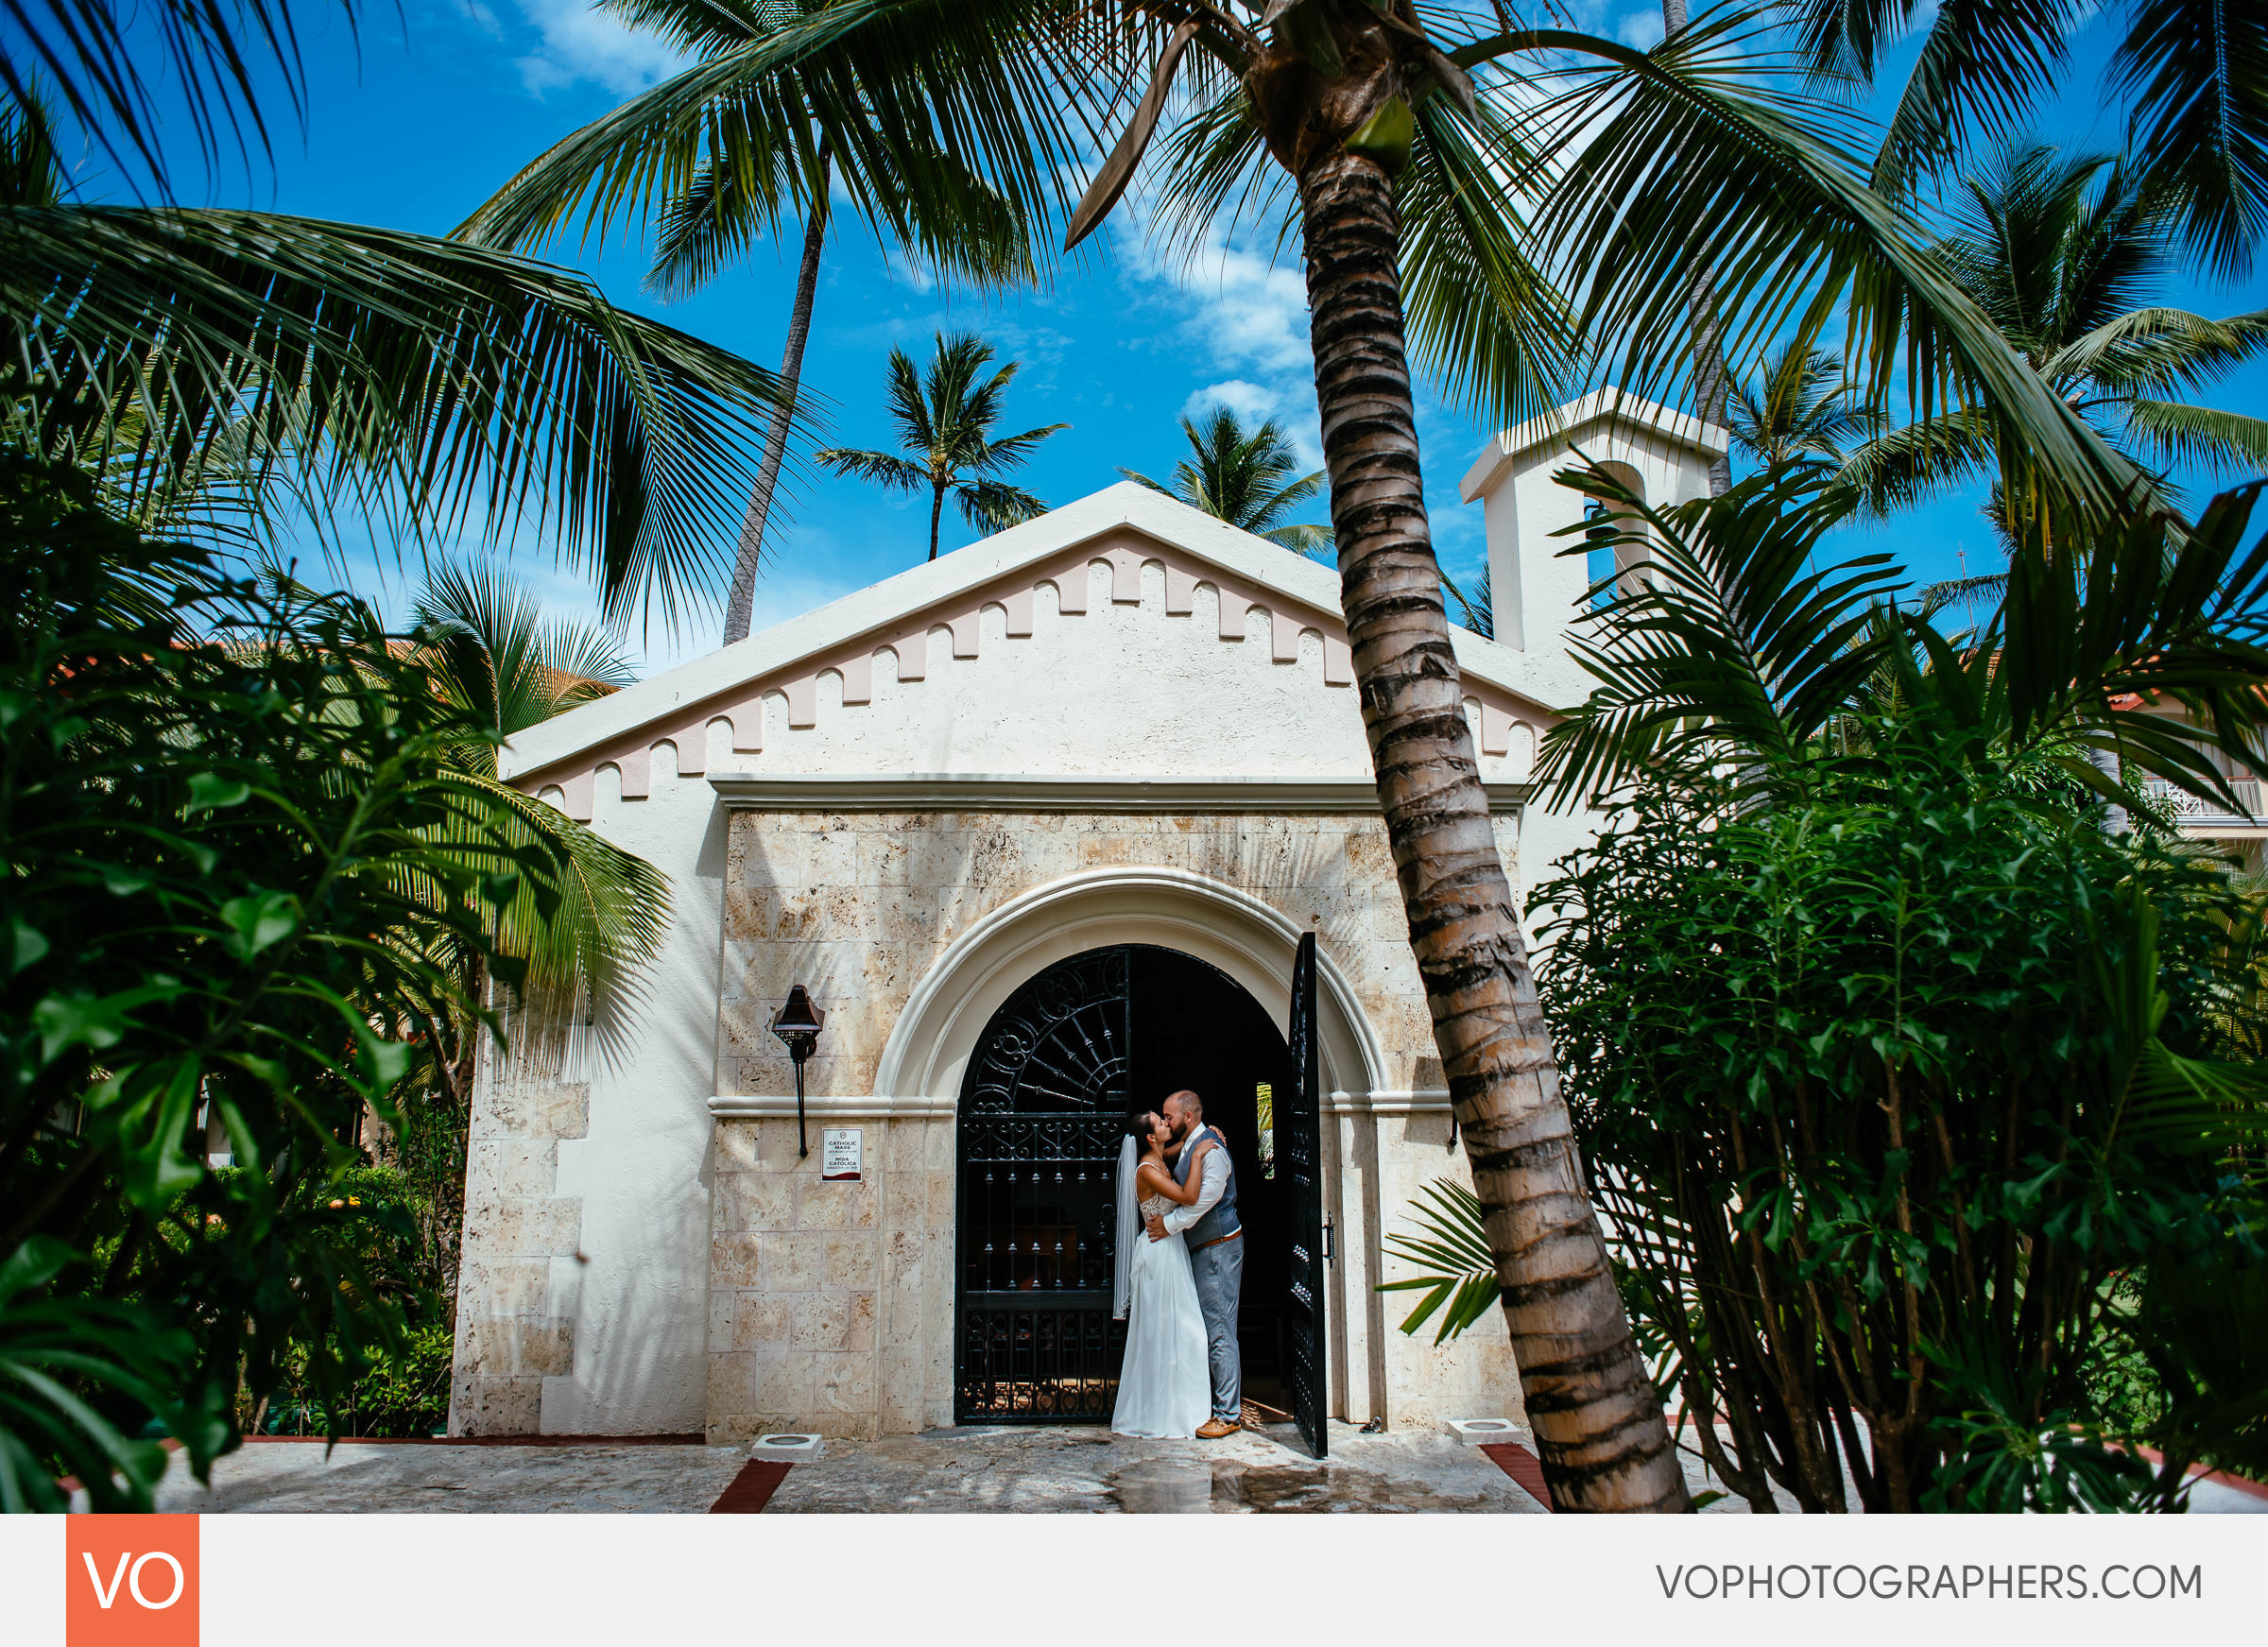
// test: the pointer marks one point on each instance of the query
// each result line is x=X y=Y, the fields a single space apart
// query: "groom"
x=1216 y=1253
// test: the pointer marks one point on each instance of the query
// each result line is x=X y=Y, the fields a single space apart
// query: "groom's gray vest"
x=1222 y=1221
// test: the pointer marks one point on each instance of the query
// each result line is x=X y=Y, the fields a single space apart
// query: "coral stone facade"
x=1124 y=728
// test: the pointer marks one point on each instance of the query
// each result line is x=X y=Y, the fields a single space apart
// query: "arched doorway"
x=1048 y=1085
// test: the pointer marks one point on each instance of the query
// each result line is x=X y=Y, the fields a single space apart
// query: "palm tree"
x=818 y=116
x=1361 y=128
x=2189 y=73
x=945 y=419
x=1368 y=115
x=1800 y=408
x=2061 y=254
x=1239 y=476
x=490 y=654
x=318 y=367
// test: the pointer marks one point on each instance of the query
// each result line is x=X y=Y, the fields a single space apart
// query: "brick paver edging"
x=1523 y=1466
x=752 y=1490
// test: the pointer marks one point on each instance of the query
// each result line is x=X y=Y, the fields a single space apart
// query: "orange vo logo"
x=130 y=1581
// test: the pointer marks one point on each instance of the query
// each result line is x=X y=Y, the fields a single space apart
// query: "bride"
x=1166 y=1386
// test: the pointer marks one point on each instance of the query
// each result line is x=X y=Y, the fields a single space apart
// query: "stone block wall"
x=1473 y=1376
x=831 y=1303
x=518 y=1271
x=857 y=906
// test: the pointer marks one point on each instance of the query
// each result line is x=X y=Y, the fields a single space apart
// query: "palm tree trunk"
x=1709 y=336
x=1597 y=1420
x=741 y=601
x=937 y=508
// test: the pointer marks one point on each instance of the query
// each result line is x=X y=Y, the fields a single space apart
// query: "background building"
x=1039 y=827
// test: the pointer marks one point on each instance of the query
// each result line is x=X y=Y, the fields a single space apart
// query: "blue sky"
x=415 y=124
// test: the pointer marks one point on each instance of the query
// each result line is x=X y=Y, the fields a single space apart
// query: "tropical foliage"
x=1246 y=477
x=795 y=130
x=2189 y=78
x=251 y=882
x=1799 y=406
x=945 y=417
x=2064 y=253
x=275 y=370
x=1892 y=1068
x=1877 y=1123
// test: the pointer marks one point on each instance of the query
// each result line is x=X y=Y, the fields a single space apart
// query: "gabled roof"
x=1605 y=411
x=1125 y=527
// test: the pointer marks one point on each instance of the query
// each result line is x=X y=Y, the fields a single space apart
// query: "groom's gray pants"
x=1219 y=1270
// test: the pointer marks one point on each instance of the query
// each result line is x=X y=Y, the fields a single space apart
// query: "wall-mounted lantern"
x=798 y=1024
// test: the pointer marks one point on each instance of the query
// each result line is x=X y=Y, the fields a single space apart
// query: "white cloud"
x=580 y=43
x=1244 y=315
x=1249 y=400
x=1641 y=30
x=1246 y=312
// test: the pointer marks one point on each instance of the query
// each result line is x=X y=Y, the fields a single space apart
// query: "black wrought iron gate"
x=1299 y=1148
x=1043 y=1109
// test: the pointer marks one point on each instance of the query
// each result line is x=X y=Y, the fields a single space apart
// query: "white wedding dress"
x=1165 y=1388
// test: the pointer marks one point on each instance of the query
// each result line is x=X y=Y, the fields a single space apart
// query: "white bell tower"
x=1661 y=455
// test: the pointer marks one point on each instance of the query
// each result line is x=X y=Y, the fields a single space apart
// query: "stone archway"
x=1078 y=1047
x=929 y=1048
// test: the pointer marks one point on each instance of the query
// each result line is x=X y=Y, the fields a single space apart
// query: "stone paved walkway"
x=1081 y=1471
x=1091 y=1470
x=295 y=1477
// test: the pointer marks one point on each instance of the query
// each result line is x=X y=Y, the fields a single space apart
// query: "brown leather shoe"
x=1213 y=1429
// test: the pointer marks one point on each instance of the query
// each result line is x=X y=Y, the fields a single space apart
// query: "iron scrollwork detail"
x=1059 y=1042
x=1041 y=1115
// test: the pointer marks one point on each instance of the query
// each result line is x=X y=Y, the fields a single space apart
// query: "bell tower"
x=1659 y=455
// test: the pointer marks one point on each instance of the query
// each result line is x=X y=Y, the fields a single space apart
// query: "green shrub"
x=243 y=875
x=1881 y=1087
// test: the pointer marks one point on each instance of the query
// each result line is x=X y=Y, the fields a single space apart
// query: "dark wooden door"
x=1299 y=1147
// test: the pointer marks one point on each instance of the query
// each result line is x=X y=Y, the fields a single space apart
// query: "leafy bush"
x=1924 y=1113
x=1880 y=1089
x=245 y=880
x=403 y=1391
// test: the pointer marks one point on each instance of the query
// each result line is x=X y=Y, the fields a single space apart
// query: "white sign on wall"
x=839 y=1152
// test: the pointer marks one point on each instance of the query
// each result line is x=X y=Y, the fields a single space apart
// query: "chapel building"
x=1046 y=829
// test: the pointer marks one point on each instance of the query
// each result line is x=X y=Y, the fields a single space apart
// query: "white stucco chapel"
x=1039 y=827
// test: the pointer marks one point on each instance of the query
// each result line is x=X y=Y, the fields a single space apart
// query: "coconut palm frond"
x=1456 y=1272
x=920 y=100
x=125 y=75
x=2195 y=70
x=992 y=506
x=451 y=386
x=494 y=655
x=1690 y=157
x=1479 y=607
x=883 y=468
x=1720 y=644
x=2185 y=434
x=1799 y=406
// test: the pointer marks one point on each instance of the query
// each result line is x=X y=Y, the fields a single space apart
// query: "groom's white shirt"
x=1212 y=1183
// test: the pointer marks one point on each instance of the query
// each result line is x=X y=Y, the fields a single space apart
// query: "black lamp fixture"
x=798 y=1024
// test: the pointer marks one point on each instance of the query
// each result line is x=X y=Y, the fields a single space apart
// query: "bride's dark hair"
x=1138 y=1126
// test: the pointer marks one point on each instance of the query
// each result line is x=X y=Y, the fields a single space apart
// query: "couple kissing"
x=1180 y=1271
